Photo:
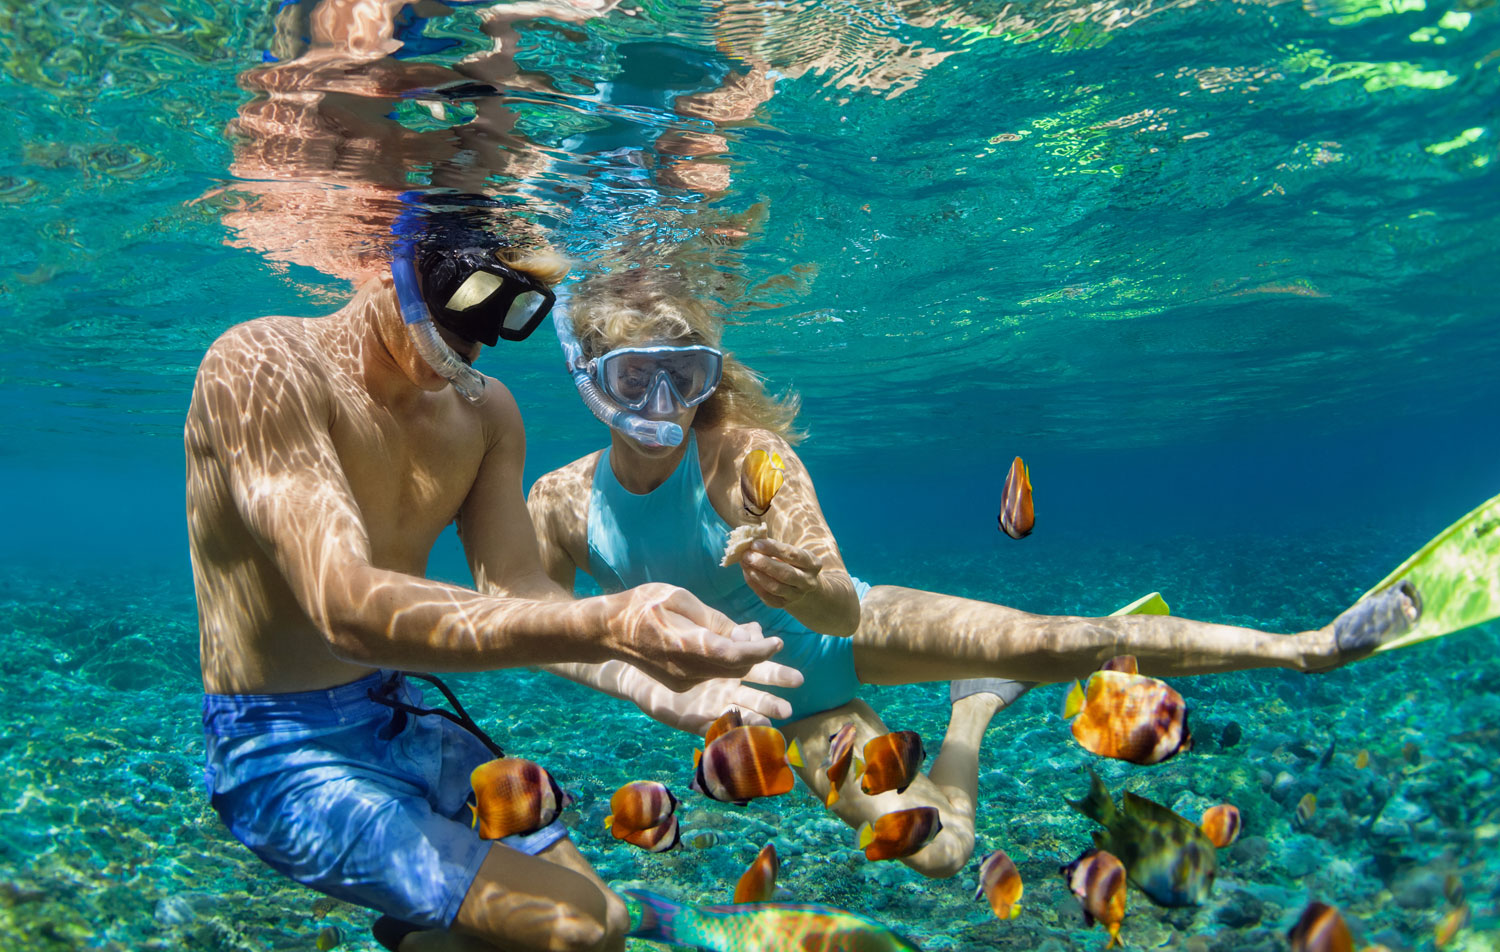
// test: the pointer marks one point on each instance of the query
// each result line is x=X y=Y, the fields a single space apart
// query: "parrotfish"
x=1320 y=928
x=1129 y=717
x=892 y=762
x=1097 y=878
x=744 y=763
x=760 y=478
x=1221 y=824
x=758 y=927
x=514 y=796
x=758 y=882
x=900 y=833
x=657 y=839
x=840 y=757
x=1017 y=516
x=1000 y=882
x=639 y=805
x=1451 y=924
x=1166 y=857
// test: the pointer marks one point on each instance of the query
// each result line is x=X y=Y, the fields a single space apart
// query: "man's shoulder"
x=269 y=343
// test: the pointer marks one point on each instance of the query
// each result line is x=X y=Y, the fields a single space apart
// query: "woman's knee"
x=946 y=856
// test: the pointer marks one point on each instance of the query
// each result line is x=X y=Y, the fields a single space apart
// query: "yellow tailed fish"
x=1000 y=883
x=761 y=477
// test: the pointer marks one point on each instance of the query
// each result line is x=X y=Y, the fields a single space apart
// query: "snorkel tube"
x=638 y=428
x=424 y=334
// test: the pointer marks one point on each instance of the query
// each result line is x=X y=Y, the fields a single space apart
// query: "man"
x=324 y=457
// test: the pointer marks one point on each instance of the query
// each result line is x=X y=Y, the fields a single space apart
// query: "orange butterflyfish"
x=639 y=805
x=840 y=758
x=892 y=762
x=1129 y=717
x=1017 y=516
x=1221 y=824
x=1000 y=882
x=657 y=839
x=727 y=721
x=1097 y=878
x=760 y=478
x=1320 y=928
x=1125 y=664
x=744 y=763
x=758 y=882
x=513 y=796
x=1305 y=808
x=899 y=834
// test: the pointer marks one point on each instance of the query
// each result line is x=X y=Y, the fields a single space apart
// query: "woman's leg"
x=950 y=788
x=908 y=635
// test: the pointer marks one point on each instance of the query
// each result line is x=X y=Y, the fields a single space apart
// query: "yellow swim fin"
x=609 y=821
x=474 y=810
x=1074 y=702
x=1457 y=576
x=866 y=834
x=794 y=754
x=1152 y=604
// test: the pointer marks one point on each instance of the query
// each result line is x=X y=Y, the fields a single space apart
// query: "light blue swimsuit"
x=672 y=534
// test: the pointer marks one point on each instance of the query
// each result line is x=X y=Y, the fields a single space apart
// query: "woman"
x=635 y=512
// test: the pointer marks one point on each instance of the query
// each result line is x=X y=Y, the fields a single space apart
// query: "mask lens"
x=523 y=309
x=629 y=375
x=475 y=290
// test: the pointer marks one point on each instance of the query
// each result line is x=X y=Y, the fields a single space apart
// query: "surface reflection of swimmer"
x=319 y=151
x=634 y=511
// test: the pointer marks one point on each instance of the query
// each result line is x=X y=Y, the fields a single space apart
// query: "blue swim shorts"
x=347 y=796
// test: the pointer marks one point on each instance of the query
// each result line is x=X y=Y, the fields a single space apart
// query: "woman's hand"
x=780 y=574
x=695 y=709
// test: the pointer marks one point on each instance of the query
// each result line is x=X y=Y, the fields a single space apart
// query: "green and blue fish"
x=758 y=927
x=1167 y=857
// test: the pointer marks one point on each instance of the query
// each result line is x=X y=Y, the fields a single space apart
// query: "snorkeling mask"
x=607 y=407
x=630 y=376
x=470 y=293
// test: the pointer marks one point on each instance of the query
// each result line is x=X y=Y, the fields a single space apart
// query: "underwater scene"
x=1083 y=300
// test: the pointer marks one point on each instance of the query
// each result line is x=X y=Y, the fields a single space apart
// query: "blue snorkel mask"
x=632 y=375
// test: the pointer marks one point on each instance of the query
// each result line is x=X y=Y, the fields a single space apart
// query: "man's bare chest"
x=409 y=480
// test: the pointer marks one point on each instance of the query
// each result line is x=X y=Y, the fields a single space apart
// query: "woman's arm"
x=798 y=568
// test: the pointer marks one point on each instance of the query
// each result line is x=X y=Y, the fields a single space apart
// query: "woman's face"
x=662 y=402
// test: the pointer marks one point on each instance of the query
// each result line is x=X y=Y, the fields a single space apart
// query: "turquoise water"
x=1222 y=273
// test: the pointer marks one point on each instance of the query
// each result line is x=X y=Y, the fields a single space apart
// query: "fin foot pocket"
x=1377 y=619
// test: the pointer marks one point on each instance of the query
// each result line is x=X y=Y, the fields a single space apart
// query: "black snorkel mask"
x=469 y=292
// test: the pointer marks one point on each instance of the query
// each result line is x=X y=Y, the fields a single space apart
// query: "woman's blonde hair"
x=636 y=306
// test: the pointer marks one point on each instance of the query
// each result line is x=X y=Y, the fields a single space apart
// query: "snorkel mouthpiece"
x=638 y=428
x=424 y=334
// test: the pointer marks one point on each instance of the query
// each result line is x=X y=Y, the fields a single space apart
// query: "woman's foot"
x=1373 y=621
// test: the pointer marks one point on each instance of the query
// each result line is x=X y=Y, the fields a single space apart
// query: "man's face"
x=467 y=350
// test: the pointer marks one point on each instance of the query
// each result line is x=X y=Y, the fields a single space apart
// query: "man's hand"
x=780 y=574
x=677 y=640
